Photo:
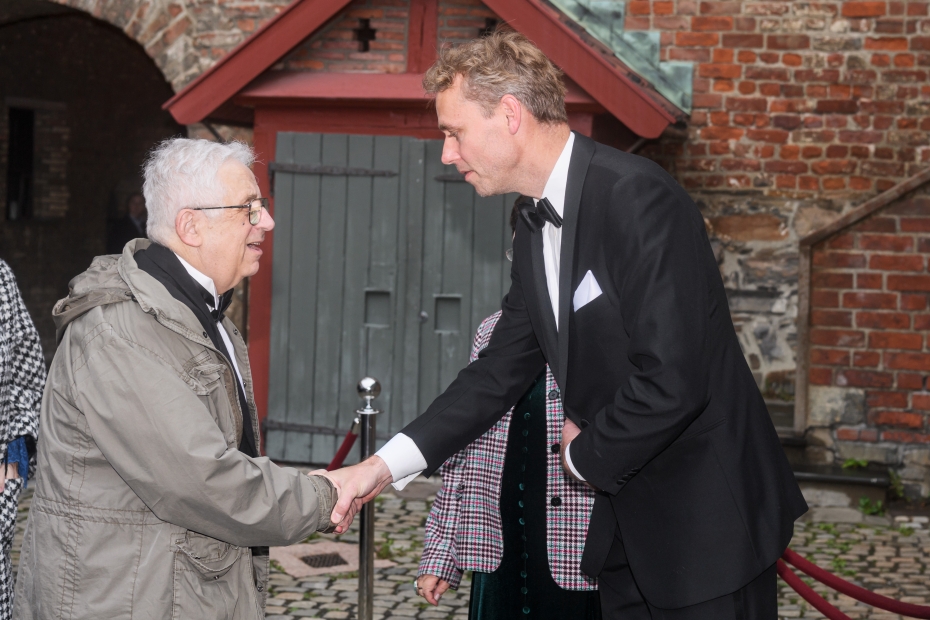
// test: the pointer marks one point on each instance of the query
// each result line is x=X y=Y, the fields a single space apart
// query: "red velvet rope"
x=343 y=450
x=808 y=594
x=856 y=592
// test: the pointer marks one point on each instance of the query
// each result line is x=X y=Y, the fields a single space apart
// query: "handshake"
x=355 y=486
x=359 y=484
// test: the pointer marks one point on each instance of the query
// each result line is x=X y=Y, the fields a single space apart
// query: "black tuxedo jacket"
x=674 y=429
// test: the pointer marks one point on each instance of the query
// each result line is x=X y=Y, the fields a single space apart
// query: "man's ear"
x=186 y=225
x=513 y=112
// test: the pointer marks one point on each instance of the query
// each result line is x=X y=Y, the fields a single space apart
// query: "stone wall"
x=869 y=396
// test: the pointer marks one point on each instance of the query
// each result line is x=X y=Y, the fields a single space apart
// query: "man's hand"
x=570 y=430
x=431 y=588
x=356 y=485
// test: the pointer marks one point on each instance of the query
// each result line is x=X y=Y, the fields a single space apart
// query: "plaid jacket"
x=463 y=529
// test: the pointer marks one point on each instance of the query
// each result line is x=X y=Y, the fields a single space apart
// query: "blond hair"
x=503 y=63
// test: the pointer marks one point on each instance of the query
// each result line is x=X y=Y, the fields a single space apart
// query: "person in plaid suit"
x=464 y=529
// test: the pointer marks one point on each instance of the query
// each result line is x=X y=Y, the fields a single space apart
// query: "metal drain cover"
x=323 y=560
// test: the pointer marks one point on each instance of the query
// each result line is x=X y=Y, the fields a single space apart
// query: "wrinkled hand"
x=431 y=588
x=356 y=486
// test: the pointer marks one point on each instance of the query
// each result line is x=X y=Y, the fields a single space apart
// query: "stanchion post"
x=368 y=389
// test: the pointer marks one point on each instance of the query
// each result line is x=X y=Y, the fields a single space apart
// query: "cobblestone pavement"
x=890 y=560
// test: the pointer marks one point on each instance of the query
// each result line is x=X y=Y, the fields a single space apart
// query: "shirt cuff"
x=403 y=458
x=568 y=460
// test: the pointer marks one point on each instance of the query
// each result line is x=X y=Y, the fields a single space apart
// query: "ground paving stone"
x=888 y=557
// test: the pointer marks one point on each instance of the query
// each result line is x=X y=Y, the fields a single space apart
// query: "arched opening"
x=80 y=104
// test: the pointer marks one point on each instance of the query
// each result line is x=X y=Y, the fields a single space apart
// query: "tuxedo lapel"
x=582 y=152
x=549 y=336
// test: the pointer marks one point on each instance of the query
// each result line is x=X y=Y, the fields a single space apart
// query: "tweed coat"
x=463 y=529
x=22 y=378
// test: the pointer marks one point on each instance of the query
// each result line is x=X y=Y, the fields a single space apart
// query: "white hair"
x=181 y=173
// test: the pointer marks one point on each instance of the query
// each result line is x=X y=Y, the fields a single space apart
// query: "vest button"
x=555 y=448
x=556 y=501
x=553 y=394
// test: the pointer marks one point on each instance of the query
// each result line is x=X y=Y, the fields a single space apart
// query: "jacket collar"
x=582 y=153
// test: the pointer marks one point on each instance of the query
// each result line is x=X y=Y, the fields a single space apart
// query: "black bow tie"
x=536 y=215
x=225 y=300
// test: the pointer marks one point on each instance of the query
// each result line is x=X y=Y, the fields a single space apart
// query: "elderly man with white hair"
x=152 y=500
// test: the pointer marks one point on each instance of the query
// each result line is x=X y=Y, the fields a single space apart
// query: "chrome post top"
x=368 y=389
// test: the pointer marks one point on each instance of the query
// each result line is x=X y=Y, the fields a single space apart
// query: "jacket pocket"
x=205 y=377
x=208 y=576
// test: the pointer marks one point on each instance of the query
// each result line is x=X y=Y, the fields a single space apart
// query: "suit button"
x=584 y=424
x=556 y=501
x=553 y=394
x=554 y=448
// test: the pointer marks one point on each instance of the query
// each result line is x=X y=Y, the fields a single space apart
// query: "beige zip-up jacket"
x=144 y=508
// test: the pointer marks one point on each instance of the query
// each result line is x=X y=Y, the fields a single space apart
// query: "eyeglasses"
x=254 y=206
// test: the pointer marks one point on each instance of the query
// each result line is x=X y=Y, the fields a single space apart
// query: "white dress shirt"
x=400 y=454
x=207 y=282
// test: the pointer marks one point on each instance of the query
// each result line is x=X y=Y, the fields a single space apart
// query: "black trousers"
x=622 y=600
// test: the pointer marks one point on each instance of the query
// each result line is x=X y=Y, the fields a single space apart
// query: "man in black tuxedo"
x=614 y=284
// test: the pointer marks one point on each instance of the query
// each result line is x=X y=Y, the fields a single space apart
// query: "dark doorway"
x=80 y=105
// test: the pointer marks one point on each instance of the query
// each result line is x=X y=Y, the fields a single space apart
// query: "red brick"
x=837 y=337
x=825 y=299
x=842 y=260
x=920 y=401
x=910 y=381
x=922 y=322
x=847 y=434
x=899 y=419
x=828 y=279
x=895 y=400
x=883 y=320
x=877 y=224
x=836 y=106
x=863 y=9
x=746 y=104
x=720 y=8
x=722 y=133
x=834 y=166
x=891 y=262
x=799 y=168
x=868 y=434
x=711 y=24
x=866 y=359
x=886 y=243
x=915 y=224
x=905 y=437
x=720 y=71
x=883 y=301
x=696 y=39
x=886 y=43
x=776 y=136
x=864 y=378
x=908 y=361
x=896 y=340
x=913 y=302
x=908 y=283
x=870 y=281
x=820 y=376
x=830 y=357
x=827 y=318
x=735 y=41
x=788 y=42
x=845 y=241
x=924 y=246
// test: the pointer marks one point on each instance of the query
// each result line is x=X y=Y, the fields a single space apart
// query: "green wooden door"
x=385 y=261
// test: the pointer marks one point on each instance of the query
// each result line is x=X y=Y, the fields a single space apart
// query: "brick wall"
x=870 y=339
x=110 y=95
x=336 y=47
x=51 y=160
x=462 y=20
x=798 y=98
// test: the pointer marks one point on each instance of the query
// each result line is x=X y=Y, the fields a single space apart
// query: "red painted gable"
x=232 y=80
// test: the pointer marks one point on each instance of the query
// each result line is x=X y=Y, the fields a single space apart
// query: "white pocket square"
x=587 y=291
